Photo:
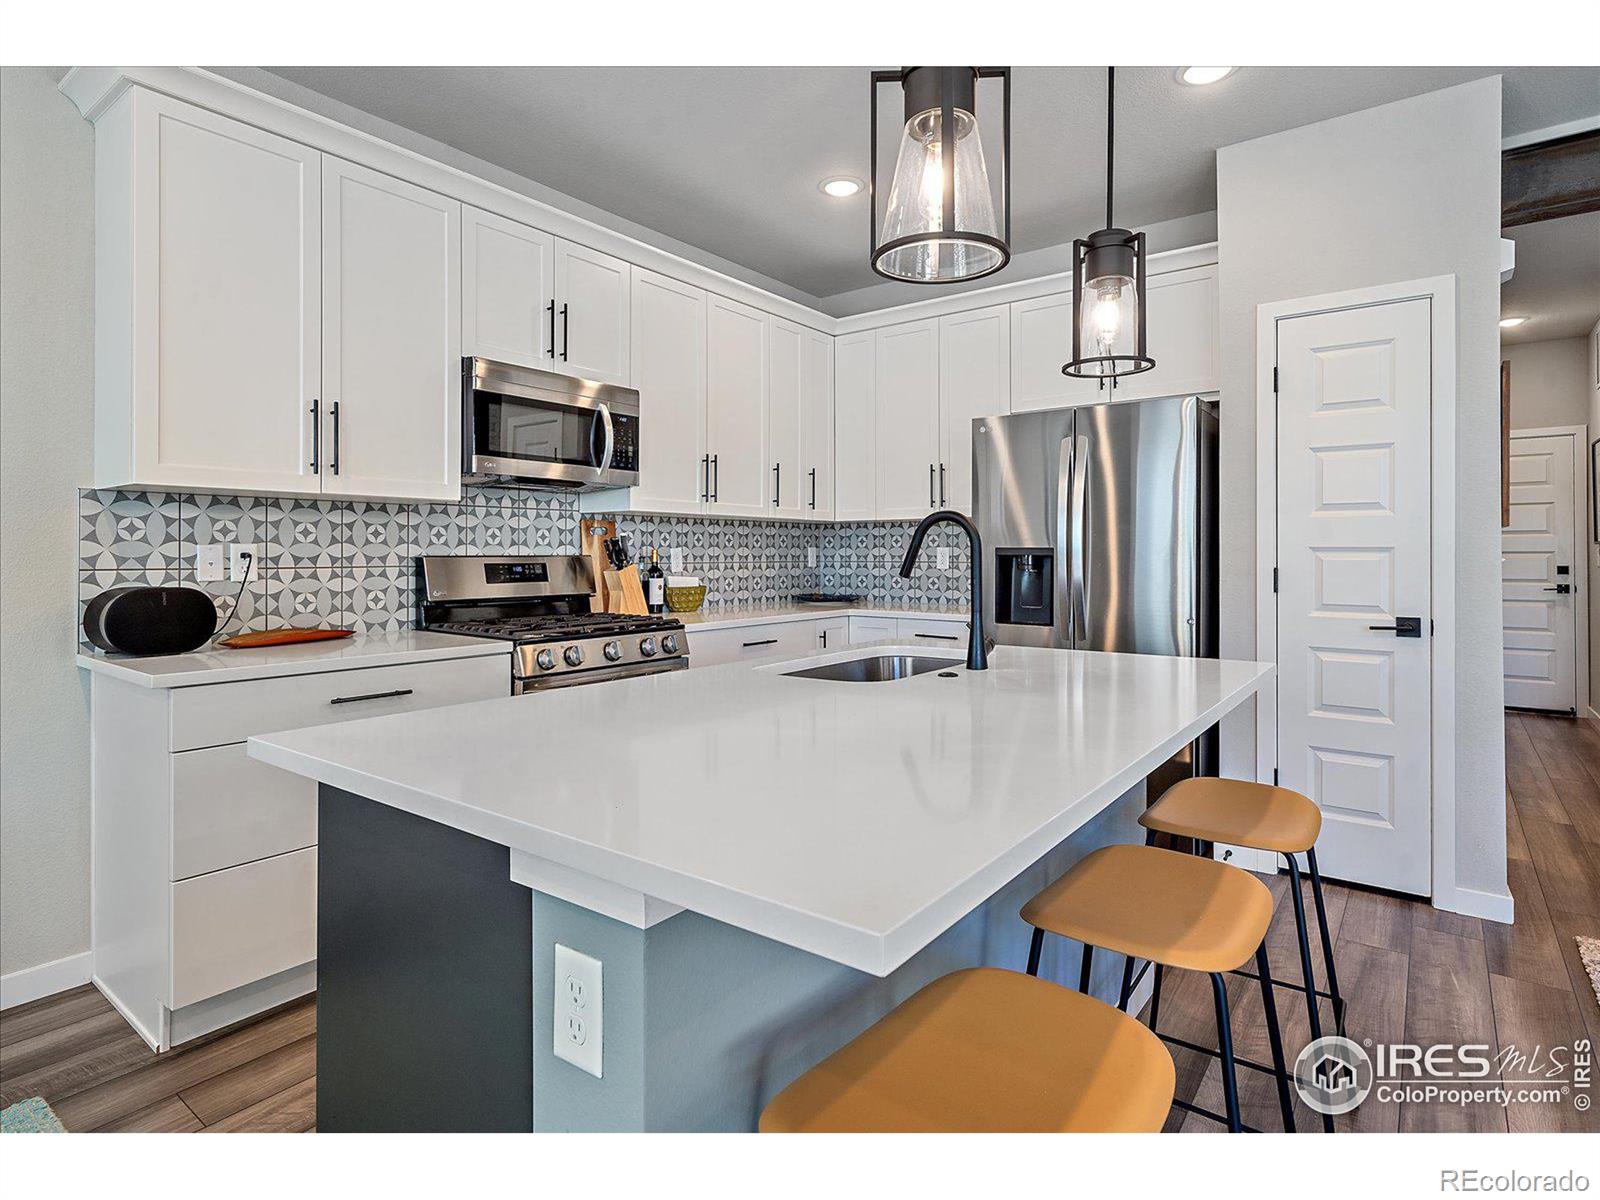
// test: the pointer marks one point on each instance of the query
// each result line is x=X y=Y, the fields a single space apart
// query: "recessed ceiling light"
x=1200 y=76
x=840 y=186
x=1511 y=322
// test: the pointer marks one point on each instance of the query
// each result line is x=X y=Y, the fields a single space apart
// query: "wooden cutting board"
x=291 y=636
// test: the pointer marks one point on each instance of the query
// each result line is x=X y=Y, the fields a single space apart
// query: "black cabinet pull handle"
x=813 y=487
x=566 y=331
x=372 y=696
x=941 y=485
x=777 y=483
x=931 y=501
x=764 y=642
x=705 y=464
x=716 y=480
x=940 y=637
x=551 y=348
x=316 y=433
x=334 y=465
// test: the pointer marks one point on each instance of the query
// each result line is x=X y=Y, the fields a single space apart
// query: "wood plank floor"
x=1408 y=971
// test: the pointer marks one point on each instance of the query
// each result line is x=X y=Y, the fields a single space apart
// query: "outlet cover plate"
x=578 y=1006
x=237 y=566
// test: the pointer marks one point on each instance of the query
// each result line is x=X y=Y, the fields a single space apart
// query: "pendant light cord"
x=1111 y=138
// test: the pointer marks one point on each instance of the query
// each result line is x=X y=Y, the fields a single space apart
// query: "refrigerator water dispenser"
x=1025 y=591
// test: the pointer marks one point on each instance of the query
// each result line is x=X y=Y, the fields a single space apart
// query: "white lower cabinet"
x=749 y=643
x=871 y=629
x=205 y=859
x=833 y=633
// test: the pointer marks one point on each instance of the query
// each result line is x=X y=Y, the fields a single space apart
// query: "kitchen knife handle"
x=551 y=348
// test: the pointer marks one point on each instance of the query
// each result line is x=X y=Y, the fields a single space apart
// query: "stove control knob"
x=546 y=659
x=573 y=655
x=648 y=647
x=613 y=651
x=669 y=644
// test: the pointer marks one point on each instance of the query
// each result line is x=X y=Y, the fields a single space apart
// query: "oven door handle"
x=603 y=415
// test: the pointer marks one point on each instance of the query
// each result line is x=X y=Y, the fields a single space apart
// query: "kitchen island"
x=764 y=864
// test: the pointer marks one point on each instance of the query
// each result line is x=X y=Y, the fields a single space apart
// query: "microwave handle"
x=603 y=413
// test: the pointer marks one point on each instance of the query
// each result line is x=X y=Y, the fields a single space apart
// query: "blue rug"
x=32 y=1115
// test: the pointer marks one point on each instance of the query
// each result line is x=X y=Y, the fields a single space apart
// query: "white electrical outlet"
x=578 y=1026
x=676 y=560
x=941 y=558
x=811 y=556
x=207 y=564
x=238 y=563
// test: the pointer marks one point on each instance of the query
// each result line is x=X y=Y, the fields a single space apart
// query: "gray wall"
x=1592 y=415
x=46 y=428
x=1549 y=382
x=1405 y=191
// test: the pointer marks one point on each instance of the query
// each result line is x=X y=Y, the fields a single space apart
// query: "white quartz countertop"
x=857 y=821
x=220 y=665
x=733 y=616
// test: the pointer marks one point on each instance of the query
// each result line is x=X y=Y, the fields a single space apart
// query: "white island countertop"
x=218 y=664
x=857 y=821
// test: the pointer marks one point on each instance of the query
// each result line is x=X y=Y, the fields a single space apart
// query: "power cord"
x=249 y=566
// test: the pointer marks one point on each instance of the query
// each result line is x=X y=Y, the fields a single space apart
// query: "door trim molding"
x=1580 y=549
x=1440 y=292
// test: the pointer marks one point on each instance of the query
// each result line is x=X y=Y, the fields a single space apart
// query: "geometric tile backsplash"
x=352 y=563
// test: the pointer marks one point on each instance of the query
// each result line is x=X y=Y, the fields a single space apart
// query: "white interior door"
x=1539 y=576
x=1353 y=552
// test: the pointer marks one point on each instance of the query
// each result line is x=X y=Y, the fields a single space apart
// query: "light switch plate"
x=811 y=556
x=941 y=558
x=207 y=564
x=578 y=1007
x=676 y=558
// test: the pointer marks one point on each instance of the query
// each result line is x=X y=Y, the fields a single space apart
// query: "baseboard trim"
x=153 y=1040
x=35 y=983
x=1470 y=902
x=1593 y=716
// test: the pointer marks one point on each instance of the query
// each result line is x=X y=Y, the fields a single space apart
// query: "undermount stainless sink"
x=877 y=668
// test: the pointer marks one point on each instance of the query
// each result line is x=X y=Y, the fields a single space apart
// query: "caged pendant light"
x=942 y=222
x=1108 y=277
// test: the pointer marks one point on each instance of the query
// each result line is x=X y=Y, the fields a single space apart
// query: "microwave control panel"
x=625 y=449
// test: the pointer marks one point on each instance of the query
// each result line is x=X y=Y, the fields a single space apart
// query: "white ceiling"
x=728 y=158
x=1557 y=281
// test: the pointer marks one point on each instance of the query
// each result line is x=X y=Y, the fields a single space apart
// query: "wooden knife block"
x=617 y=591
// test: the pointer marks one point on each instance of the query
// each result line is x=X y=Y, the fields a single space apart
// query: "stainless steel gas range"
x=542 y=605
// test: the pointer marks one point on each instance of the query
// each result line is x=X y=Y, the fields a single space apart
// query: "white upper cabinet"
x=669 y=369
x=785 y=400
x=1041 y=343
x=507 y=285
x=391 y=352
x=592 y=314
x=855 y=454
x=974 y=381
x=907 y=395
x=736 y=409
x=816 y=425
x=208 y=326
x=1183 y=337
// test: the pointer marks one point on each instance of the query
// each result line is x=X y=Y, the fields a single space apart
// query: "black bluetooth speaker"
x=150 y=620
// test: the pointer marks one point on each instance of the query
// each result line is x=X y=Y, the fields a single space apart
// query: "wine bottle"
x=655 y=584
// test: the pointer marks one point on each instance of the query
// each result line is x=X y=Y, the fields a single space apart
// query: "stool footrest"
x=1206 y=1112
x=1210 y=1053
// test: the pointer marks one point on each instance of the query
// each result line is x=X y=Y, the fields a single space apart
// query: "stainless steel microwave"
x=532 y=428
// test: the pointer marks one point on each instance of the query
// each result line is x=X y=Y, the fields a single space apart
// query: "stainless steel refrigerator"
x=1099 y=529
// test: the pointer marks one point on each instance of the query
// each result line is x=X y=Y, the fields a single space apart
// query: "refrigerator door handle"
x=1066 y=569
x=1080 y=540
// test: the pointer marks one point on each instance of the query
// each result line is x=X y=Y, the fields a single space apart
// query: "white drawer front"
x=234 y=927
x=934 y=632
x=872 y=629
x=228 y=808
x=749 y=643
x=217 y=714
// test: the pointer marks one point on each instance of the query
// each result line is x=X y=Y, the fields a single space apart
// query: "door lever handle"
x=1563 y=589
x=1406 y=627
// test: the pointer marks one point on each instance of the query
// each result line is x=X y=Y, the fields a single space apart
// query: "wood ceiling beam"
x=1559 y=178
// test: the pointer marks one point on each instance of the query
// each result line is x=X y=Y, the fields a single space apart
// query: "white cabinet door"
x=833 y=633
x=507 y=280
x=1182 y=325
x=1041 y=342
x=592 y=314
x=786 y=345
x=225 y=320
x=391 y=356
x=908 y=420
x=855 y=458
x=872 y=629
x=736 y=409
x=816 y=426
x=669 y=369
x=974 y=381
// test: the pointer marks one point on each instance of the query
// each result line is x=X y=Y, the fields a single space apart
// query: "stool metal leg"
x=1230 y=1078
x=1327 y=941
x=1033 y=951
x=1126 y=993
x=1083 y=971
x=1275 y=1038
x=1155 y=1000
x=1313 y=1013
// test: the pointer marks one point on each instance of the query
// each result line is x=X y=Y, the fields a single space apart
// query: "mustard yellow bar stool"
x=1262 y=817
x=1174 y=910
x=990 y=1051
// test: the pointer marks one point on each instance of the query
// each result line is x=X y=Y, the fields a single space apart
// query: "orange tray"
x=282 y=637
